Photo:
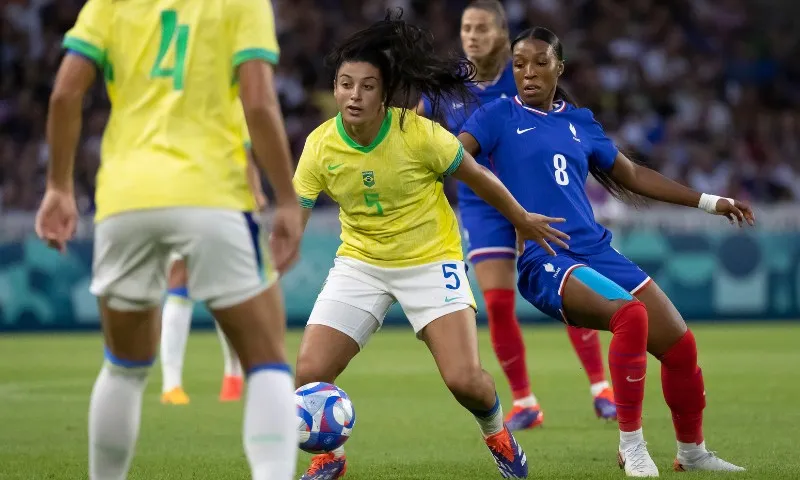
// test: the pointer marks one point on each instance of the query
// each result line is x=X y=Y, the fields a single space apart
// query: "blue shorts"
x=487 y=233
x=542 y=277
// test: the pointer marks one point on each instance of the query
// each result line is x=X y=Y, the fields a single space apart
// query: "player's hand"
x=537 y=228
x=57 y=218
x=287 y=230
x=736 y=212
x=261 y=201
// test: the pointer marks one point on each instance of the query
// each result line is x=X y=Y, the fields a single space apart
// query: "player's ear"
x=560 y=68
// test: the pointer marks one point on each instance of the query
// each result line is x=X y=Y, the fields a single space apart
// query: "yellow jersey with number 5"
x=392 y=206
x=175 y=135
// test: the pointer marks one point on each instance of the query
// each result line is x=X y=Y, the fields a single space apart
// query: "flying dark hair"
x=613 y=187
x=409 y=67
x=494 y=7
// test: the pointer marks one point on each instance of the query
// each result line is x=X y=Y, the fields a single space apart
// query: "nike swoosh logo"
x=450 y=299
x=634 y=380
x=520 y=132
x=509 y=361
x=334 y=167
x=586 y=336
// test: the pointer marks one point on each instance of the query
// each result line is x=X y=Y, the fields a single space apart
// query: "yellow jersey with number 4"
x=392 y=206
x=175 y=135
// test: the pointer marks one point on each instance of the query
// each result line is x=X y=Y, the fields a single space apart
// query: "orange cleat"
x=231 y=389
x=176 y=396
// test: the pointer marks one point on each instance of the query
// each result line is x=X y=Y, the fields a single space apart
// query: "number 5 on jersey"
x=171 y=33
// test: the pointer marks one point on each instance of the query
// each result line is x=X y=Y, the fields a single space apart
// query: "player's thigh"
x=177 y=276
x=129 y=278
x=566 y=289
x=453 y=341
x=665 y=324
x=431 y=291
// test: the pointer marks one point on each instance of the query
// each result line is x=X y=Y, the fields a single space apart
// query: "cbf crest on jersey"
x=369 y=178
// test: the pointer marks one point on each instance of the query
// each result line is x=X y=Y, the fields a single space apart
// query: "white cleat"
x=636 y=461
x=706 y=462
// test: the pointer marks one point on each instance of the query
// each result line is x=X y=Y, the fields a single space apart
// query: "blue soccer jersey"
x=543 y=158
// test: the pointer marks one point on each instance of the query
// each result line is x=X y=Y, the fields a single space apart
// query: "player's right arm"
x=255 y=50
x=307 y=181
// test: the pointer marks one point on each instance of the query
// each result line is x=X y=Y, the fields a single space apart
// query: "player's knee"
x=630 y=317
x=123 y=366
x=682 y=355
x=465 y=382
x=310 y=369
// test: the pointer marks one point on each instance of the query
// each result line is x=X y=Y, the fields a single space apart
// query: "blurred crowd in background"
x=705 y=91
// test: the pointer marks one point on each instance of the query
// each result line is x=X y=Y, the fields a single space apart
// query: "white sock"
x=526 y=402
x=176 y=318
x=597 y=388
x=233 y=368
x=114 y=415
x=339 y=452
x=690 y=451
x=490 y=422
x=270 y=424
x=629 y=439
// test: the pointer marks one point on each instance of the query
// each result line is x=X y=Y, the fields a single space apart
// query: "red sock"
x=682 y=383
x=627 y=361
x=507 y=340
x=586 y=343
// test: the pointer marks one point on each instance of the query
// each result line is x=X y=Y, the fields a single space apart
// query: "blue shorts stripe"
x=601 y=285
x=276 y=367
x=182 y=292
x=114 y=360
x=255 y=236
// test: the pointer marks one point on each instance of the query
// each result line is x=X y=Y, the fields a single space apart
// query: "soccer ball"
x=325 y=417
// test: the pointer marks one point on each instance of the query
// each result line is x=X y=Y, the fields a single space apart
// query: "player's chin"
x=531 y=97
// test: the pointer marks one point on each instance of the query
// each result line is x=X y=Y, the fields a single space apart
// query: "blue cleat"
x=508 y=455
x=523 y=418
x=604 y=405
x=325 y=467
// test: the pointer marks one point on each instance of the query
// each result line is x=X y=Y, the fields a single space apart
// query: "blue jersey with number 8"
x=543 y=158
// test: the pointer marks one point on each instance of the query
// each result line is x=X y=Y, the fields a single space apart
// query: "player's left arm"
x=74 y=78
x=651 y=184
x=254 y=181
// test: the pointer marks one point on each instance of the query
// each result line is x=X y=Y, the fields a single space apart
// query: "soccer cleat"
x=523 y=418
x=176 y=396
x=708 y=462
x=604 y=405
x=326 y=467
x=636 y=461
x=508 y=455
x=231 y=389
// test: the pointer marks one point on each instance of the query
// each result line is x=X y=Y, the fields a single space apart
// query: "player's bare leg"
x=324 y=354
x=131 y=333
x=453 y=342
x=176 y=320
x=256 y=329
x=497 y=278
x=671 y=341
x=627 y=320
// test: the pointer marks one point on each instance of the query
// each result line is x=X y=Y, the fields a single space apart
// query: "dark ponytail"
x=405 y=56
x=603 y=177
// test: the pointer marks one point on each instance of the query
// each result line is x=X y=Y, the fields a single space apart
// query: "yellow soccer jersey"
x=175 y=136
x=391 y=198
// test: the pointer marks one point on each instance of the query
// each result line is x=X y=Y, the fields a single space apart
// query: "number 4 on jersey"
x=172 y=33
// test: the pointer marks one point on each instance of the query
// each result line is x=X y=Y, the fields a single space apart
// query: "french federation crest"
x=369 y=178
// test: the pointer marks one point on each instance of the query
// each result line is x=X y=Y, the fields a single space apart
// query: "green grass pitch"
x=408 y=426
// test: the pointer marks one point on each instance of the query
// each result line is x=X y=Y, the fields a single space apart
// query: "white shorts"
x=425 y=293
x=223 y=250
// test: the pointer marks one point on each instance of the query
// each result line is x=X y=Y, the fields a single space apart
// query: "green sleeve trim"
x=248 y=145
x=94 y=53
x=306 y=202
x=255 y=54
x=456 y=162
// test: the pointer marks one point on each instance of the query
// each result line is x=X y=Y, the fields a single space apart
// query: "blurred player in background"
x=385 y=167
x=591 y=284
x=173 y=179
x=176 y=321
x=490 y=237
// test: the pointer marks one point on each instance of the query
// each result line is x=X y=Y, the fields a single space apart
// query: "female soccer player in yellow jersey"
x=384 y=166
x=173 y=178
